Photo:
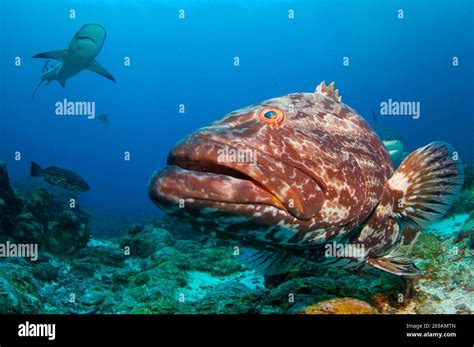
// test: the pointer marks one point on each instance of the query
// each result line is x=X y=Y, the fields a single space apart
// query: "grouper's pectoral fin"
x=396 y=263
x=97 y=68
x=328 y=90
x=267 y=263
x=420 y=191
x=56 y=55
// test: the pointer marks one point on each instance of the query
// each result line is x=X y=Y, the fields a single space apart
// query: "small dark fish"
x=102 y=119
x=60 y=177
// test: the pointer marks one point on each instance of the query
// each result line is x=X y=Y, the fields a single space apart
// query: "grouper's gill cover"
x=318 y=175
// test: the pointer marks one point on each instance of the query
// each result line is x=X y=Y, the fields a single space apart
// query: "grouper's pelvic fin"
x=267 y=263
x=396 y=263
x=421 y=190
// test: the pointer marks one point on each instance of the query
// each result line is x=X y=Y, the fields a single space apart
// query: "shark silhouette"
x=83 y=49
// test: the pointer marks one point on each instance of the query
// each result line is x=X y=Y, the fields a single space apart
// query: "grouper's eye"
x=272 y=115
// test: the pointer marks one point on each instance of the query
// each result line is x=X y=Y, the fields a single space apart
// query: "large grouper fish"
x=321 y=178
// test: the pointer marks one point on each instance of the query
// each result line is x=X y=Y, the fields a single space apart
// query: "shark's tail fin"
x=36 y=89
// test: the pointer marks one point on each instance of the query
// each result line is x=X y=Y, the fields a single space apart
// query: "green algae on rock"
x=67 y=235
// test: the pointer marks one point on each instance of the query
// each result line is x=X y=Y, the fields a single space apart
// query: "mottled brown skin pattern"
x=318 y=178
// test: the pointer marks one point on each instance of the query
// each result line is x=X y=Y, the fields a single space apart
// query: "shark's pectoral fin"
x=96 y=67
x=57 y=55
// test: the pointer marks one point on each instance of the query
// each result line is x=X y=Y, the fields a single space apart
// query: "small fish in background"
x=102 y=119
x=83 y=49
x=59 y=177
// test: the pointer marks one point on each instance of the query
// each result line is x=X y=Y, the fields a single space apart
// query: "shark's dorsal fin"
x=97 y=68
x=57 y=55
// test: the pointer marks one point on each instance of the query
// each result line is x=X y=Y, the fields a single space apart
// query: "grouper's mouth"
x=196 y=174
x=191 y=178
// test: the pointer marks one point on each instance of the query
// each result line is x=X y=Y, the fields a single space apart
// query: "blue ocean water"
x=190 y=61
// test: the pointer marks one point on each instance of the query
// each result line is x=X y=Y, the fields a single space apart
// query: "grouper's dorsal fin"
x=328 y=90
x=56 y=55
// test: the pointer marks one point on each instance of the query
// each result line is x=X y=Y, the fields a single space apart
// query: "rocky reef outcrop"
x=177 y=275
x=67 y=235
x=465 y=203
x=340 y=306
x=40 y=217
x=10 y=204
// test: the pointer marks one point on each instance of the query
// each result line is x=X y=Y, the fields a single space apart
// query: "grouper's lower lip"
x=173 y=184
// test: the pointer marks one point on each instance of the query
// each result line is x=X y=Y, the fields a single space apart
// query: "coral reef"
x=45 y=272
x=466 y=200
x=187 y=276
x=67 y=235
x=28 y=229
x=340 y=306
x=162 y=267
x=144 y=240
x=39 y=217
x=10 y=204
x=19 y=292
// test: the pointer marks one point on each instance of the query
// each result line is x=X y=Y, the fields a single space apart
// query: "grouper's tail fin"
x=427 y=183
x=35 y=170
